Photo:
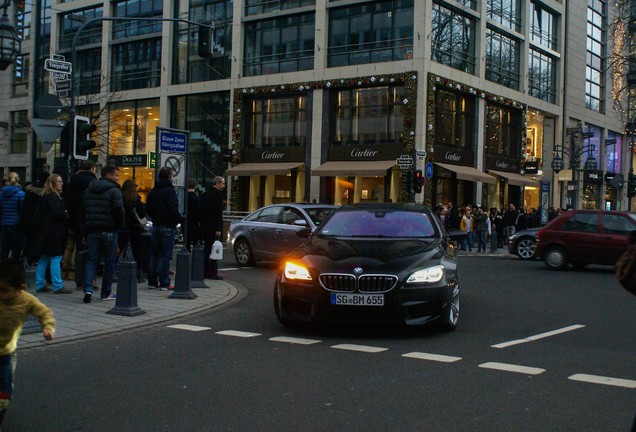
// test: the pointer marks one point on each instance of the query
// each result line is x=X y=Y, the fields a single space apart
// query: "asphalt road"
x=535 y=350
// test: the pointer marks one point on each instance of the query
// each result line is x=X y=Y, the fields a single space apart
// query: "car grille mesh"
x=364 y=283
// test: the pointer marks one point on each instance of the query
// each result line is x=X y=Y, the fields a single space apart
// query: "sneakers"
x=63 y=291
x=111 y=296
x=168 y=288
x=88 y=297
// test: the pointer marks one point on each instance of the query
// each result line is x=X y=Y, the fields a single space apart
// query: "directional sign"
x=63 y=85
x=60 y=76
x=58 y=66
x=421 y=154
x=404 y=160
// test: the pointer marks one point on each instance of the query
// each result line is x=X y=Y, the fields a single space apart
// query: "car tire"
x=449 y=317
x=283 y=321
x=243 y=253
x=525 y=248
x=556 y=258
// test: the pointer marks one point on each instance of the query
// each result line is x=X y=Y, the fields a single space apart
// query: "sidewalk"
x=77 y=320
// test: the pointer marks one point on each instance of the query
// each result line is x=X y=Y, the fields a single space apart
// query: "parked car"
x=269 y=233
x=383 y=262
x=582 y=237
x=522 y=243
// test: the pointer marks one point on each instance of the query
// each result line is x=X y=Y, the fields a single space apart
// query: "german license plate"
x=357 y=299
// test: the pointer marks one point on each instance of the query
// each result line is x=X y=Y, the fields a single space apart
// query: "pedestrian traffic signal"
x=418 y=179
x=65 y=141
x=631 y=188
x=82 y=142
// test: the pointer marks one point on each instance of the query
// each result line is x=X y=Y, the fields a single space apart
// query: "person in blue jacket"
x=11 y=201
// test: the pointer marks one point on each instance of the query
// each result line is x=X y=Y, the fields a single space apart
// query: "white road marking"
x=512 y=368
x=237 y=333
x=596 y=379
x=234 y=268
x=431 y=357
x=539 y=336
x=360 y=348
x=188 y=327
x=293 y=340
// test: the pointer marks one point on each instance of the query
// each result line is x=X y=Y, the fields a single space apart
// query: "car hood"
x=329 y=254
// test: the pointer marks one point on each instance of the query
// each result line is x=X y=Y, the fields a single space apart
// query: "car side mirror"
x=300 y=222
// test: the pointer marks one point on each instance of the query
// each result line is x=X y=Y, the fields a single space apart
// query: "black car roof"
x=388 y=206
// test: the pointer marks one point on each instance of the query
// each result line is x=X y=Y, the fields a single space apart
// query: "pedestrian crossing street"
x=433 y=357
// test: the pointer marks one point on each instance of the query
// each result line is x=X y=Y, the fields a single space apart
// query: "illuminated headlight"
x=431 y=274
x=294 y=271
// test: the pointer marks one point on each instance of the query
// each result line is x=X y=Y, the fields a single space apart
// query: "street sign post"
x=58 y=66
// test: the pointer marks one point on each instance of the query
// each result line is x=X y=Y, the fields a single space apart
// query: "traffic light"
x=82 y=142
x=418 y=179
x=65 y=141
x=631 y=189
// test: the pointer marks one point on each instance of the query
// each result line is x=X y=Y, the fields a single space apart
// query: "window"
x=279 y=45
x=502 y=131
x=267 y=215
x=613 y=148
x=278 y=122
x=582 y=222
x=71 y=22
x=21 y=76
x=453 y=37
x=189 y=67
x=255 y=7
x=543 y=26
x=616 y=224
x=136 y=65
x=23 y=19
x=368 y=116
x=19 y=132
x=595 y=65
x=541 y=76
x=137 y=9
x=90 y=71
x=371 y=33
x=454 y=119
x=504 y=12
x=502 y=59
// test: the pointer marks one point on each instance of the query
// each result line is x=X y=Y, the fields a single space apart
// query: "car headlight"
x=295 y=271
x=431 y=274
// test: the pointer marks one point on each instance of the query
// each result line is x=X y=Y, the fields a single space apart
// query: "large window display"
x=132 y=127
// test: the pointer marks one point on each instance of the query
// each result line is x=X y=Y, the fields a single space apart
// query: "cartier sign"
x=450 y=156
x=358 y=153
x=272 y=155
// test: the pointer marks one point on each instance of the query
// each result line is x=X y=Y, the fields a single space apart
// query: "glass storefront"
x=132 y=127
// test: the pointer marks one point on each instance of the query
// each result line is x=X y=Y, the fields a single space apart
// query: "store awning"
x=515 y=179
x=262 y=168
x=349 y=168
x=468 y=173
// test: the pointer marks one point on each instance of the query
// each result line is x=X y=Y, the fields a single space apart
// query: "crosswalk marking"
x=431 y=357
x=512 y=368
x=293 y=340
x=189 y=327
x=539 y=336
x=359 y=348
x=596 y=379
x=237 y=333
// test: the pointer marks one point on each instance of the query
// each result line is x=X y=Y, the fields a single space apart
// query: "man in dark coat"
x=32 y=197
x=104 y=216
x=211 y=223
x=162 y=206
x=73 y=195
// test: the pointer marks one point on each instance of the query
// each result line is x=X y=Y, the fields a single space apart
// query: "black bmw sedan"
x=372 y=263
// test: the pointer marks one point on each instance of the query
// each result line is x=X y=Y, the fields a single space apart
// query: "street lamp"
x=574 y=153
x=9 y=42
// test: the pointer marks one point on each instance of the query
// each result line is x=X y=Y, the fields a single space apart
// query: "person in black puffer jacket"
x=104 y=216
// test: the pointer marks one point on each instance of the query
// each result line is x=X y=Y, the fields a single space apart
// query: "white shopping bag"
x=217 y=251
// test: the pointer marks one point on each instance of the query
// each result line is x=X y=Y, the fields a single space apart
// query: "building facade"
x=320 y=99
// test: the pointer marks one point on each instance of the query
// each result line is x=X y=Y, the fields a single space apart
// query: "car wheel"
x=243 y=253
x=526 y=248
x=283 y=321
x=450 y=314
x=556 y=258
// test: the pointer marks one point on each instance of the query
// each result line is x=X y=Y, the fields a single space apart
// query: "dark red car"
x=582 y=237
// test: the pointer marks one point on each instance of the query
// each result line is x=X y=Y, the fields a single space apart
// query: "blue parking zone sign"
x=428 y=172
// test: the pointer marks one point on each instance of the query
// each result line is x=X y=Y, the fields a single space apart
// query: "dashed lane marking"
x=359 y=348
x=189 y=327
x=539 y=336
x=432 y=357
x=293 y=340
x=596 y=379
x=237 y=333
x=512 y=368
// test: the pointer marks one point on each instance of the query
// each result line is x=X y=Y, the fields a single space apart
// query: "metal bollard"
x=182 y=277
x=126 y=301
x=198 y=259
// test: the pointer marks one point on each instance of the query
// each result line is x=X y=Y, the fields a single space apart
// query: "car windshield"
x=379 y=224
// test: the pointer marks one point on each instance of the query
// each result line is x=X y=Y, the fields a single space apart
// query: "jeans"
x=481 y=241
x=56 y=275
x=7 y=370
x=11 y=243
x=161 y=248
x=106 y=243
